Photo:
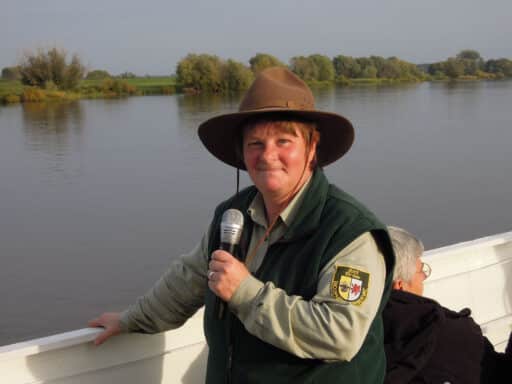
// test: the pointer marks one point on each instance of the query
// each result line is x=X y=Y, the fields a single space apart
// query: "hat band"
x=280 y=104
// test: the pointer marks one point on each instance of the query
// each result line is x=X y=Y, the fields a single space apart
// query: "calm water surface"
x=97 y=196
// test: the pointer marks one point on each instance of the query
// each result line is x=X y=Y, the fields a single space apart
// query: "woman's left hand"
x=225 y=274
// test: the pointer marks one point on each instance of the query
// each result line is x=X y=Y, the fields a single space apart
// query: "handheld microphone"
x=231 y=227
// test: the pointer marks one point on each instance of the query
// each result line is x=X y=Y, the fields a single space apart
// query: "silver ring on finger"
x=210 y=275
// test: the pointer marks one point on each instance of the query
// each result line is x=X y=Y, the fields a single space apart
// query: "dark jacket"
x=328 y=221
x=427 y=343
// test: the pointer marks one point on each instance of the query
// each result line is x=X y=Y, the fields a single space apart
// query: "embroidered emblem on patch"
x=350 y=284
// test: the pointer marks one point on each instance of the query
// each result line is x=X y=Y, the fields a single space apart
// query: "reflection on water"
x=194 y=109
x=206 y=103
x=44 y=121
x=51 y=132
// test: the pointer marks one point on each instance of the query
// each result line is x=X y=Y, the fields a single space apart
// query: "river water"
x=96 y=196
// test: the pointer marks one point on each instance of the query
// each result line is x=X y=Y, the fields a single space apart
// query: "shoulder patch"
x=350 y=284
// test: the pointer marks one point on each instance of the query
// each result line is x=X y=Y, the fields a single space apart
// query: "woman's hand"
x=225 y=274
x=110 y=321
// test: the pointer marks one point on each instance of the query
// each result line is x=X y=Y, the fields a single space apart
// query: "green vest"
x=328 y=220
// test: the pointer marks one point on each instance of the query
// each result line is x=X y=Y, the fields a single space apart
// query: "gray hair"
x=407 y=249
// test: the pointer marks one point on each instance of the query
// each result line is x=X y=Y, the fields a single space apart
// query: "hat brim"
x=219 y=134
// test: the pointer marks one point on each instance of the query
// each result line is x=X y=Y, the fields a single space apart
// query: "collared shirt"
x=258 y=215
x=324 y=327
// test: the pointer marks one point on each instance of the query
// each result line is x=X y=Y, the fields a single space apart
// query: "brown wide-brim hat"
x=277 y=90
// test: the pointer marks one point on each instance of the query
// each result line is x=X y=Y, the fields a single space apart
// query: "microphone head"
x=231 y=226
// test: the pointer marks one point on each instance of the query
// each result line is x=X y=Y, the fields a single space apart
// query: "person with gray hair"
x=427 y=343
x=410 y=271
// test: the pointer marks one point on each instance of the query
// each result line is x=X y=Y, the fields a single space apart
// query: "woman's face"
x=276 y=160
x=415 y=285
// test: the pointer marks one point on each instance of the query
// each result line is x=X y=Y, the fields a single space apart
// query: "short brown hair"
x=287 y=124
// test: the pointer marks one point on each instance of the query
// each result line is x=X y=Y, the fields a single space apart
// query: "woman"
x=305 y=300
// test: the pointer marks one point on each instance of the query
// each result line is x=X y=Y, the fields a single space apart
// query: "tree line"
x=470 y=64
x=209 y=73
x=204 y=72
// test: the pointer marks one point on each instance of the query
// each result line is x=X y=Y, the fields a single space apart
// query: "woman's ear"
x=398 y=285
x=311 y=156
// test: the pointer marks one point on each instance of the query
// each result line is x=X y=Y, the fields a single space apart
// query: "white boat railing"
x=477 y=275
x=176 y=356
x=471 y=274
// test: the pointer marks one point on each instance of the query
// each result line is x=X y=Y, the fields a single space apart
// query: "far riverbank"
x=12 y=92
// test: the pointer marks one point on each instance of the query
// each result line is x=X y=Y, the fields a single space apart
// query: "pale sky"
x=150 y=37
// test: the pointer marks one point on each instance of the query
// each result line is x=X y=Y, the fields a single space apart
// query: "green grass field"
x=161 y=85
x=144 y=85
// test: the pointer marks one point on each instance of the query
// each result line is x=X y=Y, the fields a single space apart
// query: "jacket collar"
x=310 y=210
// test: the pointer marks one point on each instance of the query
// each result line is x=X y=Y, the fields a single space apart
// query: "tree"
x=346 y=66
x=324 y=69
x=387 y=68
x=471 y=67
x=263 y=60
x=208 y=73
x=436 y=68
x=469 y=54
x=127 y=75
x=303 y=67
x=97 y=74
x=453 y=68
x=199 y=73
x=368 y=70
x=236 y=76
x=313 y=68
x=378 y=62
x=471 y=60
x=50 y=67
x=501 y=67
x=11 y=73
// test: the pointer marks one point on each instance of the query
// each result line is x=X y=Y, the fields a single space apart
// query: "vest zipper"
x=229 y=342
x=229 y=364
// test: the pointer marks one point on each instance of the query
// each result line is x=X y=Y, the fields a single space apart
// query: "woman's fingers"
x=110 y=321
x=225 y=274
x=103 y=336
x=93 y=323
x=220 y=255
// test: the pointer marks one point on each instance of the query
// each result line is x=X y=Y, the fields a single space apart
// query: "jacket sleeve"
x=325 y=327
x=175 y=297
